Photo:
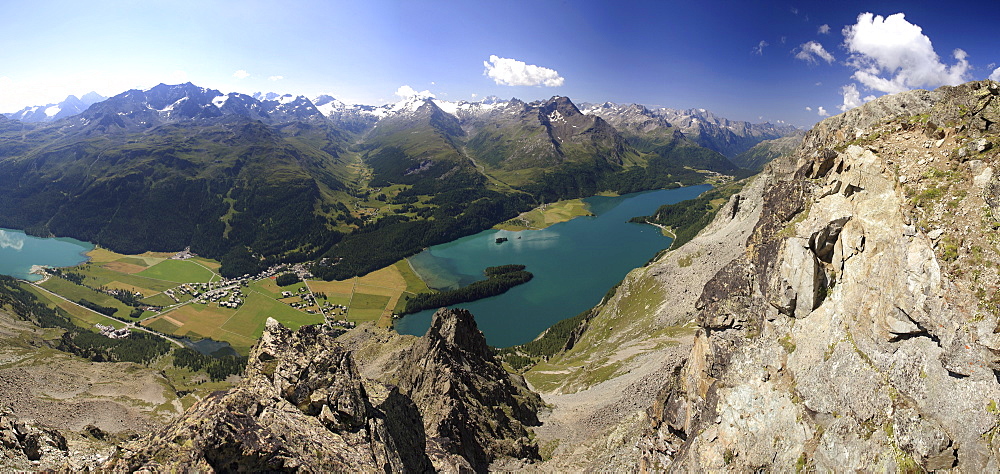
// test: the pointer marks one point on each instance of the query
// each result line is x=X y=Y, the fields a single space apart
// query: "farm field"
x=75 y=292
x=79 y=315
x=546 y=215
x=180 y=271
x=373 y=297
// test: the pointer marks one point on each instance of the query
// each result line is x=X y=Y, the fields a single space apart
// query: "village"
x=112 y=333
x=182 y=294
x=231 y=293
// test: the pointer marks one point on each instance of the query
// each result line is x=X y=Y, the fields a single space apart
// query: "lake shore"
x=574 y=263
x=546 y=215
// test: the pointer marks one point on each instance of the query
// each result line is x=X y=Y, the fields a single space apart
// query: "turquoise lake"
x=19 y=252
x=574 y=263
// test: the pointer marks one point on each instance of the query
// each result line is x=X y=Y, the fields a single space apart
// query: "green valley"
x=254 y=184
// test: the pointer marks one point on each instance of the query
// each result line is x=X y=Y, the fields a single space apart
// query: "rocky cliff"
x=303 y=406
x=857 y=328
x=473 y=411
x=840 y=313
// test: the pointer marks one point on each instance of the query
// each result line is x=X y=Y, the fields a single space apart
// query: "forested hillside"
x=255 y=182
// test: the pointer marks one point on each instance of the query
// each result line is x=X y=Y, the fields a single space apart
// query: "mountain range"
x=73 y=105
x=284 y=178
x=839 y=312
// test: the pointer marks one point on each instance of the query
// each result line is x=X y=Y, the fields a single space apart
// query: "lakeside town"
x=226 y=294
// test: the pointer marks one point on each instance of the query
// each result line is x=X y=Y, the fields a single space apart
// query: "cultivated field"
x=546 y=215
x=180 y=271
x=373 y=297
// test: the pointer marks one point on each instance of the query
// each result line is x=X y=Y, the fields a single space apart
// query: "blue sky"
x=675 y=54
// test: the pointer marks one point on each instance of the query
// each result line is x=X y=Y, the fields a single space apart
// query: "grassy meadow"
x=546 y=215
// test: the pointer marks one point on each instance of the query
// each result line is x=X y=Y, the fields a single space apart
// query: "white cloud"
x=511 y=72
x=759 y=49
x=892 y=55
x=824 y=29
x=406 y=92
x=996 y=74
x=808 y=52
x=241 y=74
x=474 y=95
x=822 y=112
x=275 y=78
x=852 y=97
x=810 y=109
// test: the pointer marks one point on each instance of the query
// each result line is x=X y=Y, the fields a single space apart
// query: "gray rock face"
x=26 y=441
x=473 y=410
x=799 y=279
x=880 y=356
x=302 y=406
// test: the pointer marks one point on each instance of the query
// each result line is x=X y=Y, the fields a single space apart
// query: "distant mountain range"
x=50 y=112
x=281 y=177
x=698 y=125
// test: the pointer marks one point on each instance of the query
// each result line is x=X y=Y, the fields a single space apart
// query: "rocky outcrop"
x=474 y=412
x=22 y=441
x=852 y=334
x=303 y=406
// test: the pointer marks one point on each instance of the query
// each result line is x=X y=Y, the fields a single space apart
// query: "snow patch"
x=175 y=104
x=450 y=107
x=220 y=100
x=52 y=111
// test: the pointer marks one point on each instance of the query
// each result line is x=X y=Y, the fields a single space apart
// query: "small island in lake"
x=498 y=280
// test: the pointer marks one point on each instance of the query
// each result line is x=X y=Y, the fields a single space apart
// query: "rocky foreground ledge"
x=303 y=406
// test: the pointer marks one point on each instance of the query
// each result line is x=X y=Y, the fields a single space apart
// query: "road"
x=130 y=325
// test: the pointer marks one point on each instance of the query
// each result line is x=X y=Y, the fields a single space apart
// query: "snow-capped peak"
x=450 y=107
x=409 y=104
x=327 y=105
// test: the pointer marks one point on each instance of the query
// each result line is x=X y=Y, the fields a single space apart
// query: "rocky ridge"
x=728 y=137
x=844 y=337
x=304 y=406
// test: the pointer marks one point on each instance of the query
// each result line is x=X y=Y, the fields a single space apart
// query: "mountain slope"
x=172 y=167
x=729 y=137
x=842 y=316
x=762 y=153
x=421 y=144
x=651 y=132
x=305 y=405
x=51 y=112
